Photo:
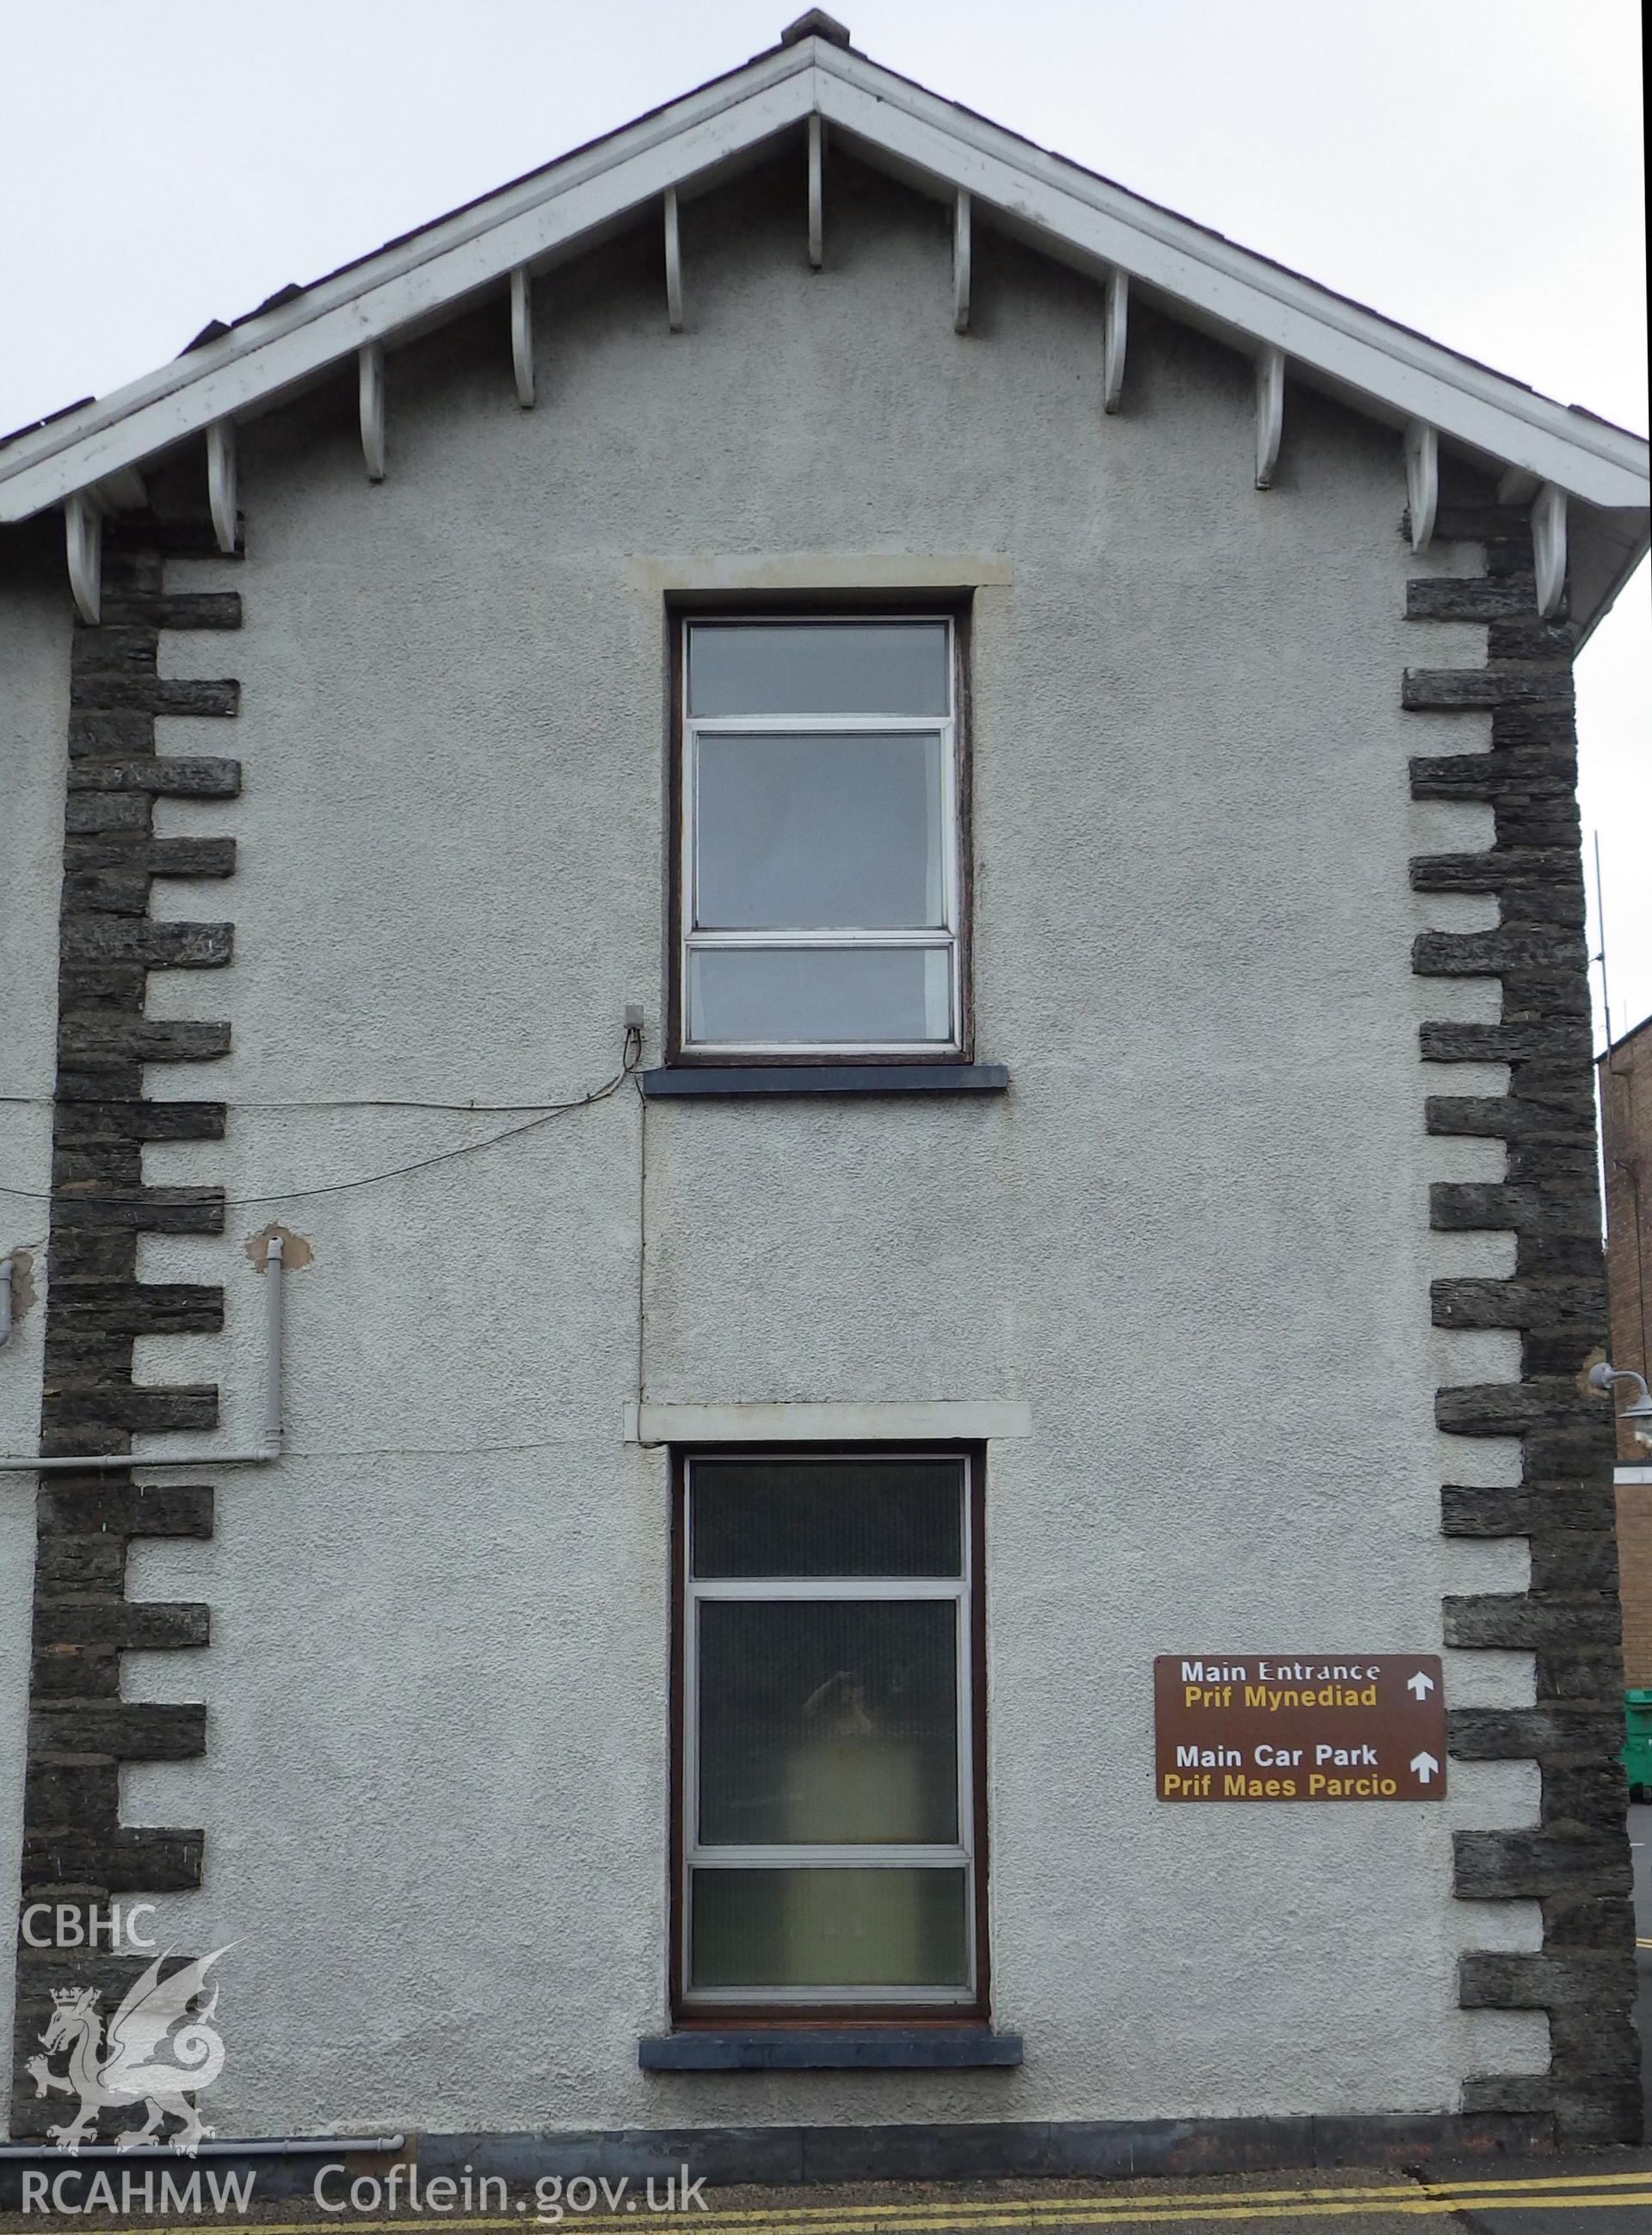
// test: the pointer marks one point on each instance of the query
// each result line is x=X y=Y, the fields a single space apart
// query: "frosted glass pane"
x=818 y=667
x=829 y=1928
x=822 y=996
x=837 y=833
x=827 y=1722
x=852 y=1517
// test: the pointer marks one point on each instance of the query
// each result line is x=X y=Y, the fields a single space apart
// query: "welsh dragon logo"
x=112 y=2075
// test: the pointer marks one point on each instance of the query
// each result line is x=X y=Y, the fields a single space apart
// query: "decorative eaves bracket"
x=83 y=526
x=817 y=193
x=1422 y=482
x=84 y=515
x=962 y=227
x=521 y=335
x=220 y=482
x=1549 y=546
x=673 y=263
x=369 y=364
x=1114 y=335
x=1271 y=413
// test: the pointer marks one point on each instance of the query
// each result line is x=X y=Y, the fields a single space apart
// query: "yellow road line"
x=795 y=2215
x=1193 y=2204
x=1012 y=2213
x=1056 y=2217
x=1075 y=2213
x=802 y=2215
x=1413 y=2196
x=1413 y=2199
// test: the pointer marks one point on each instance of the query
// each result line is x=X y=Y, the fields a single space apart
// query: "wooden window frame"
x=682 y=610
x=833 y=2008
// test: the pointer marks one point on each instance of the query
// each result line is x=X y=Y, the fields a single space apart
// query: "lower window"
x=829 y=1775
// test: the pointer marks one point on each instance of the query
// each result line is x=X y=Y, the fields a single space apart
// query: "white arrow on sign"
x=1420 y=1684
x=1425 y=1766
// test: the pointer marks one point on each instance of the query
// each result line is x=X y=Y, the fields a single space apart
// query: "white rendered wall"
x=1194 y=1236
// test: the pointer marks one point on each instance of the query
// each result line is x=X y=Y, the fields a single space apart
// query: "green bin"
x=1637 y=1742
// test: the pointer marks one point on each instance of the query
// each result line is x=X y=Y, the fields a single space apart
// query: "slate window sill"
x=829 y=2049
x=697 y=1082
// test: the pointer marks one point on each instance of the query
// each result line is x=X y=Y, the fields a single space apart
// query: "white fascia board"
x=940 y=1420
x=439 y=267
x=1404 y=375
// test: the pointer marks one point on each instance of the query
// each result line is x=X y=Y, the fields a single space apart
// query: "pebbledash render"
x=869 y=855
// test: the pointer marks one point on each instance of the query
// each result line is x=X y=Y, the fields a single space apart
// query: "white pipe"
x=274 y=1262
x=296 y=2146
x=123 y=1462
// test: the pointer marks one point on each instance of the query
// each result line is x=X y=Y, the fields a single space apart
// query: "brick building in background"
x=1625 y=1079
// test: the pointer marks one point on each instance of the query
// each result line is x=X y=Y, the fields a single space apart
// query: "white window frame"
x=798 y=1856
x=946 y=938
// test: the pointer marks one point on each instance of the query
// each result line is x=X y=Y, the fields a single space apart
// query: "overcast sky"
x=1470 y=166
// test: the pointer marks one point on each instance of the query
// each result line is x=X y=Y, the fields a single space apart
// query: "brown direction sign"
x=1299 y=1726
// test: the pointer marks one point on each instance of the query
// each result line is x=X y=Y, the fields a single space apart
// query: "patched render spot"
x=19 y=1265
x=296 y=1252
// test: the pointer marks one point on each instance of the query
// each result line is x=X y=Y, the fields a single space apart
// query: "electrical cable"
x=546 y=1111
x=344 y=1101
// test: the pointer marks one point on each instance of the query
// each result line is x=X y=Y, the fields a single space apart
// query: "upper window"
x=819 y=882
